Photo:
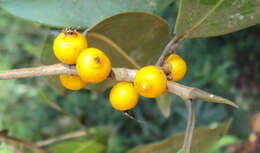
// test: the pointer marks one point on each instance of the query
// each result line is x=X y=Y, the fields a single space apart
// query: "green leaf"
x=225 y=141
x=96 y=142
x=46 y=100
x=203 y=139
x=48 y=58
x=131 y=39
x=77 y=13
x=205 y=18
x=181 y=151
x=164 y=103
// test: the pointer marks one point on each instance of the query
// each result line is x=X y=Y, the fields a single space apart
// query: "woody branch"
x=119 y=74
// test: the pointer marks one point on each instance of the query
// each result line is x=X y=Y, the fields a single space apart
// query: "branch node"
x=169 y=49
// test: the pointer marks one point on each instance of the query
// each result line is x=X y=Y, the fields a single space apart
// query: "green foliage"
x=181 y=151
x=204 y=18
x=164 y=103
x=203 y=139
x=46 y=100
x=223 y=142
x=5 y=149
x=95 y=142
x=120 y=37
x=20 y=45
x=79 y=14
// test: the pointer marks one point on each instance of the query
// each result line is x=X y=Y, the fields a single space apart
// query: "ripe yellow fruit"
x=123 y=96
x=67 y=46
x=72 y=82
x=178 y=67
x=93 y=65
x=150 y=81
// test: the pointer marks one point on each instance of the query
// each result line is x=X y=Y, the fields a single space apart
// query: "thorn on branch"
x=205 y=96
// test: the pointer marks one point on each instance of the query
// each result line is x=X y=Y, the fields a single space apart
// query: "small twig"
x=119 y=74
x=24 y=143
x=14 y=149
x=190 y=126
x=170 y=48
x=61 y=138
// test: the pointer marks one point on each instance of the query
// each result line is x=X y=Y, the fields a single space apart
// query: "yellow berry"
x=178 y=67
x=150 y=81
x=72 y=82
x=93 y=65
x=123 y=96
x=67 y=47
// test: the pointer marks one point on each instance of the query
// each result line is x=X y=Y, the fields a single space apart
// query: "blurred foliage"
x=95 y=142
x=203 y=139
x=226 y=65
x=5 y=149
x=225 y=141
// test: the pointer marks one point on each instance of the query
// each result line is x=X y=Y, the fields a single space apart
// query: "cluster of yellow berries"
x=93 y=66
x=150 y=81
